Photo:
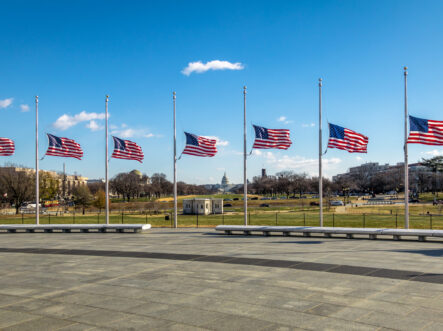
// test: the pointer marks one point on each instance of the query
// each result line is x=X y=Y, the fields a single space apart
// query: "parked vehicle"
x=227 y=205
x=337 y=203
x=264 y=205
x=314 y=203
x=254 y=198
x=235 y=199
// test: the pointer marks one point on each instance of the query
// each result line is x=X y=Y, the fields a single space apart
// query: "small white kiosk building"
x=202 y=206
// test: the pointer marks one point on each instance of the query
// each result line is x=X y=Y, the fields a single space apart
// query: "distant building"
x=93 y=181
x=224 y=182
x=263 y=173
x=202 y=206
x=373 y=168
x=224 y=186
x=67 y=183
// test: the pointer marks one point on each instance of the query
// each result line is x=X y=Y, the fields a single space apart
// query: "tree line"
x=18 y=187
x=427 y=178
x=130 y=185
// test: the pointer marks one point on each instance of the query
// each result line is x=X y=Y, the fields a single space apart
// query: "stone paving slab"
x=124 y=288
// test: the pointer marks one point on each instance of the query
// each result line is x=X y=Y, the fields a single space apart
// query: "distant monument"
x=224 y=182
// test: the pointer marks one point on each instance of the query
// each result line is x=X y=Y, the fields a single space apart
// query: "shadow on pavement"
x=427 y=252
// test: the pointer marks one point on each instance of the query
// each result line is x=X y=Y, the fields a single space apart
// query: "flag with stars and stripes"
x=425 y=132
x=347 y=140
x=63 y=147
x=271 y=138
x=127 y=150
x=7 y=147
x=199 y=146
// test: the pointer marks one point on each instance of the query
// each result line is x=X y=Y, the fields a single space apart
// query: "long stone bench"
x=306 y=231
x=49 y=228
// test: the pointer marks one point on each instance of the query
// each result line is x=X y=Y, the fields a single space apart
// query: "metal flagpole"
x=37 y=183
x=406 y=152
x=106 y=161
x=175 y=164
x=245 y=180
x=320 y=151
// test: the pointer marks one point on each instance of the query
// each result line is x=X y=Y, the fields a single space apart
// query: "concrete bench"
x=67 y=228
x=306 y=231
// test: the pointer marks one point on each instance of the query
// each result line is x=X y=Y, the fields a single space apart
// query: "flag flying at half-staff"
x=63 y=147
x=271 y=138
x=425 y=132
x=7 y=147
x=127 y=150
x=347 y=140
x=199 y=146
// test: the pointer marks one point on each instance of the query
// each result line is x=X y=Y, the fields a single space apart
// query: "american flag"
x=347 y=140
x=271 y=138
x=199 y=146
x=426 y=132
x=7 y=147
x=63 y=147
x=127 y=150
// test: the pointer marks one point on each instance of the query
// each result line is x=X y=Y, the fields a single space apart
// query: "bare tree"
x=128 y=185
x=436 y=165
x=18 y=186
x=96 y=187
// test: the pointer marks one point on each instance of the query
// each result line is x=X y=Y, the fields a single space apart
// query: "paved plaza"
x=191 y=279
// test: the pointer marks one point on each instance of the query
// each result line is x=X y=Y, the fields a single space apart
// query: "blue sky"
x=73 y=54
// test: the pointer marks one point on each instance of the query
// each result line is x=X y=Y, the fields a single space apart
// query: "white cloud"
x=237 y=153
x=24 y=108
x=5 y=103
x=358 y=158
x=65 y=121
x=434 y=152
x=308 y=125
x=94 y=126
x=200 y=67
x=219 y=142
x=283 y=119
x=125 y=132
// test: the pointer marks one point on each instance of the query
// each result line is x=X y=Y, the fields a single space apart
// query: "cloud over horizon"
x=298 y=163
x=434 y=152
x=24 y=108
x=200 y=67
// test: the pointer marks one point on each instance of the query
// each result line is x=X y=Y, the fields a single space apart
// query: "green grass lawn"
x=309 y=218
